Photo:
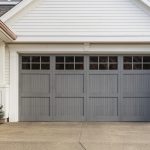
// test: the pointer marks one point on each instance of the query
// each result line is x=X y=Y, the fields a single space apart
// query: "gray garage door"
x=84 y=88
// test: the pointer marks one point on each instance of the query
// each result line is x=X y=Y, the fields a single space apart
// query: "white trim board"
x=80 y=48
x=82 y=39
x=147 y=2
x=15 y=10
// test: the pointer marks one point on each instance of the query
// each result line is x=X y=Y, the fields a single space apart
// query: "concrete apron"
x=75 y=136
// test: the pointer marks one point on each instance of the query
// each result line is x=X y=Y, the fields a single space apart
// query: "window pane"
x=59 y=66
x=137 y=66
x=146 y=59
x=127 y=59
x=79 y=59
x=113 y=66
x=35 y=66
x=45 y=66
x=93 y=66
x=25 y=58
x=103 y=67
x=103 y=59
x=45 y=59
x=59 y=59
x=79 y=66
x=36 y=59
x=93 y=59
x=128 y=66
x=70 y=59
x=69 y=66
x=137 y=59
x=113 y=59
x=26 y=66
x=146 y=66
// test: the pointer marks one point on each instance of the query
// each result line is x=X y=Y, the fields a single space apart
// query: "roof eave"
x=15 y=10
x=146 y=2
x=6 y=34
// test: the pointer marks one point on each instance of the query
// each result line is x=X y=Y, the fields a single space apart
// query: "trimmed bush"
x=1 y=112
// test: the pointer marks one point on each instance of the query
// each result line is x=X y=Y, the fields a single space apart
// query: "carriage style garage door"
x=84 y=88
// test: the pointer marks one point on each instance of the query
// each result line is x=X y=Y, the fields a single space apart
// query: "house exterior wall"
x=4 y=88
x=7 y=66
x=47 y=18
x=85 y=48
x=45 y=21
x=2 y=63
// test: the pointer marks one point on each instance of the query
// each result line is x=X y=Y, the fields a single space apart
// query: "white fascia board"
x=15 y=10
x=147 y=2
x=5 y=37
x=82 y=40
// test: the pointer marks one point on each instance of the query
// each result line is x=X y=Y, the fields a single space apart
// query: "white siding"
x=2 y=63
x=7 y=66
x=83 y=18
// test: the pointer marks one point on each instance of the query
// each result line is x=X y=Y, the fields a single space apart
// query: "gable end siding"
x=96 y=18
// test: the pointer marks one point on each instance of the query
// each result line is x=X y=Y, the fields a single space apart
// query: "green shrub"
x=1 y=112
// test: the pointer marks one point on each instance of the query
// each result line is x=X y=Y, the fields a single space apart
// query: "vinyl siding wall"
x=83 y=18
x=7 y=66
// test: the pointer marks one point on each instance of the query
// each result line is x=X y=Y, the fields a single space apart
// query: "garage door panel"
x=101 y=85
x=36 y=95
x=136 y=85
x=71 y=109
x=79 y=88
x=35 y=83
x=69 y=85
x=35 y=109
x=137 y=109
x=103 y=108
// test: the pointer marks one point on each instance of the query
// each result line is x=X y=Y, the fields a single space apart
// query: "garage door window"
x=146 y=62
x=69 y=62
x=35 y=62
x=26 y=62
x=136 y=62
x=45 y=63
x=103 y=63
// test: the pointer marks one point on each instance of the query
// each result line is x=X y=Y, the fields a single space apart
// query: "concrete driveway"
x=75 y=136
